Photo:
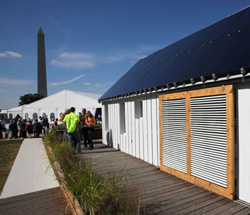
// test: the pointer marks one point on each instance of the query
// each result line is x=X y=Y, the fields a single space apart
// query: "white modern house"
x=186 y=108
x=54 y=105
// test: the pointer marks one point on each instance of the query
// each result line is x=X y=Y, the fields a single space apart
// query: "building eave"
x=241 y=75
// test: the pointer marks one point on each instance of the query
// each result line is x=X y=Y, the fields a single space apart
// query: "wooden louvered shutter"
x=197 y=137
x=209 y=138
x=174 y=134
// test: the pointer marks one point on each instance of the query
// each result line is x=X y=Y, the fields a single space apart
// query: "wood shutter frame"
x=228 y=90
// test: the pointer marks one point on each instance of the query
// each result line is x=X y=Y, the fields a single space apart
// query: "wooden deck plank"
x=173 y=203
x=22 y=201
x=243 y=212
x=209 y=206
x=237 y=208
x=160 y=196
x=50 y=201
x=195 y=204
x=222 y=208
x=180 y=203
x=160 y=187
x=161 y=193
x=170 y=199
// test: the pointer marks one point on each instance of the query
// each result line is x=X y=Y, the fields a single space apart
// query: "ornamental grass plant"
x=96 y=193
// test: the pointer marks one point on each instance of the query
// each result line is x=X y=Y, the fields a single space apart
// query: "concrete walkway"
x=31 y=170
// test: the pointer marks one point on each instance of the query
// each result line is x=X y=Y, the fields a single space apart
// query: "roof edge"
x=214 y=78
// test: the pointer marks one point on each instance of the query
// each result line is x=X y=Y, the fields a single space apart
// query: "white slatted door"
x=174 y=135
x=209 y=138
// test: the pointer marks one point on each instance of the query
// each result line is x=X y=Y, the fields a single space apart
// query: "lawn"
x=8 y=152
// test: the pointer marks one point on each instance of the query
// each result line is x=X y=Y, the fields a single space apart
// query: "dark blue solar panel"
x=242 y=23
x=219 y=48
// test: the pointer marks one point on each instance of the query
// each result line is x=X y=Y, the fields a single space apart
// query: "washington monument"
x=41 y=65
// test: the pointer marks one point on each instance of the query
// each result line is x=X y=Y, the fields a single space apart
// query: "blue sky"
x=90 y=44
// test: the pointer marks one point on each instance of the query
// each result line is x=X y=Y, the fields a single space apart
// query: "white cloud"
x=15 y=82
x=98 y=85
x=10 y=54
x=13 y=54
x=103 y=85
x=79 y=60
x=74 y=60
x=66 y=82
x=138 y=57
x=113 y=59
x=136 y=54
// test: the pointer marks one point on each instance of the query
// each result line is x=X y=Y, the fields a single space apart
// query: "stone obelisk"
x=41 y=65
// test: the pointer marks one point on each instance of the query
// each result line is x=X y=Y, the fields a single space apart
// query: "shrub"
x=96 y=193
x=58 y=127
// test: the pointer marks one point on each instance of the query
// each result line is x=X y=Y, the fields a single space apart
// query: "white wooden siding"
x=244 y=141
x=141 y=138
x=133 y=140
x=149 y=129
x=128 y=131
x=154 y=130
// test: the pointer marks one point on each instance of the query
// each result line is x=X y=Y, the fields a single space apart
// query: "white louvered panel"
x=174 y=138
x=209 y=139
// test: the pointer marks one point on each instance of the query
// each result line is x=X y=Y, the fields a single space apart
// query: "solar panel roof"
x=216 y=49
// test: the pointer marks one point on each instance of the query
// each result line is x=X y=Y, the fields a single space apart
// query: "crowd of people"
x=22 y=128
x=76 y=128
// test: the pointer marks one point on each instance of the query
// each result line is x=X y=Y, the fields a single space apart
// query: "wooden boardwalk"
x=49 y=202
x=161 y=193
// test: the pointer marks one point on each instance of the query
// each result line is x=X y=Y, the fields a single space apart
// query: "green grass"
x=8 y=152
x=96 y=193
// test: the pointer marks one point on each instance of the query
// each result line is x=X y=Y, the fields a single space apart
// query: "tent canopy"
x=16 y=109
x=53 y=105
x=66 y=99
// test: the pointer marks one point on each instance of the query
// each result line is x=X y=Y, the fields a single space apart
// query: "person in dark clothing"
x=17 y=117
x=37 y=129
x=45 y=126
x=89 y=121
x=23 y=129
x=13 y=128
x=2 y=127
x=84 y=129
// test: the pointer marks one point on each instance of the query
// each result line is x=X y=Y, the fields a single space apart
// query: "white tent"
x=3 y=113
x=11 y=113
x=53 y=105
